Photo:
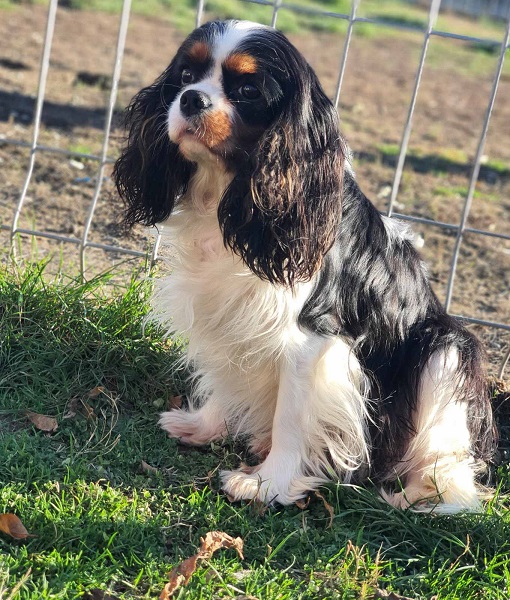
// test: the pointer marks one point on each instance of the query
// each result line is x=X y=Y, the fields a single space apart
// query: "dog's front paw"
x=190 y=427
x=260 y=484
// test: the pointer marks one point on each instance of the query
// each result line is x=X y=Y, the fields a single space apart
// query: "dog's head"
x=239 y=97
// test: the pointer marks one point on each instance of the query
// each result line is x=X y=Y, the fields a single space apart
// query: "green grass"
x=443 y=160
x=498 y=166
x=181 y=13
x=462 y=191
x=103 y=522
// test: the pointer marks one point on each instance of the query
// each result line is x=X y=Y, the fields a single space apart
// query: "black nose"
x=194 y=102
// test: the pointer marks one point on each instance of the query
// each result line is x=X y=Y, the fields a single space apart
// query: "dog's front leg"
x=287 y=473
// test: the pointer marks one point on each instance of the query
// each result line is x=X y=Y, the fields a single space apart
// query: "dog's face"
x=238 y=97
x=228 y=94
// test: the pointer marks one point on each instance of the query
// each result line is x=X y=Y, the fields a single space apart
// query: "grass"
x=105 y=522
x=461 y=191
x=443 y=160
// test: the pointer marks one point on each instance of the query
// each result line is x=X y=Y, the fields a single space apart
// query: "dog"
x=313 y=331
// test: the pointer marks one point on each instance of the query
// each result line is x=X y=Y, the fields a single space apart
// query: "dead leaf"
x=42 y=422
x=303 y=503
x=95 y=392
x=214 y=540
x=175 y=402
x=87 y=411
x=72 y=408
x=146 y=468
x=389 y=595
x=328 y=507
x=78 y=406
x=12 y=525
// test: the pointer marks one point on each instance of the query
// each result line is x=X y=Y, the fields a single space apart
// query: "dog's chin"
x=193 y=149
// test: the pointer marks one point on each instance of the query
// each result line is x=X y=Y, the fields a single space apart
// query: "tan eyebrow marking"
x=200 y=52
x=241 y=63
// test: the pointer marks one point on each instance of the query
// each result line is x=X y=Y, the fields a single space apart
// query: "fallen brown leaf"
x=303 y=503
x=72 y=408
x=42 y=422
x=78 y=406
x=213 y=540
x=95 y=392
x=12 y=525
x=328 y=507
x=146 y=468
x=389 y=595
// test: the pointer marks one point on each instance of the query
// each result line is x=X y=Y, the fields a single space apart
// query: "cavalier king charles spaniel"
x=313 y=331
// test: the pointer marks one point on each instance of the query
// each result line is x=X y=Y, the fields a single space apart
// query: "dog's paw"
x=190 y=427
x=259 y=484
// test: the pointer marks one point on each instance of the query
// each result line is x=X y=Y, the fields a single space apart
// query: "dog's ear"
x=151 y=174
x=282 y=210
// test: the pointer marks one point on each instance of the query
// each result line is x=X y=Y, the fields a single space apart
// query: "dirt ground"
x=374 y=103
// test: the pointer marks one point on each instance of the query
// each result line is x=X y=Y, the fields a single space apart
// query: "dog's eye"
x=250 y=92
x=186 y=76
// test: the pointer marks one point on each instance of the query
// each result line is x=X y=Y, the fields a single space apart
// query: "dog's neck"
x=207 y=186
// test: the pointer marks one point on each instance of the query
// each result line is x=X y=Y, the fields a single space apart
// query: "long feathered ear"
x=151 y=174
x=282 y=210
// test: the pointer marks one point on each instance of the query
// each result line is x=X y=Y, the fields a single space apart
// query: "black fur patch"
x=372 y=289
x=281 y=212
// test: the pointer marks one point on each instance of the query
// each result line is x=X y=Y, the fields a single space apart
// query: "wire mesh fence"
x=354 y=20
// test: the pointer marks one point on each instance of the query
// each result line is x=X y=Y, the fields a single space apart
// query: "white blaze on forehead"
x=230 y=39
x=223 y=45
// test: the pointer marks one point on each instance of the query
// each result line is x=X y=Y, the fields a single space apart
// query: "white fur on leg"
x=275 y=478
x=318 y=427
x=438 y=470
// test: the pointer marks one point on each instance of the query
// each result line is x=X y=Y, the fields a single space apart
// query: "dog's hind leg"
x=198 y=426
x=437 y=471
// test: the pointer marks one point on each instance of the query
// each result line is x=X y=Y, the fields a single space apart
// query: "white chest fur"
x=229 y=315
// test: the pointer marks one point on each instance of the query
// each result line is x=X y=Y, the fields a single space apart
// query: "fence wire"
x=352 y=19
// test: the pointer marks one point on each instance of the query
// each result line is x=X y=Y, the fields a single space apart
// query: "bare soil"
x=375 y=97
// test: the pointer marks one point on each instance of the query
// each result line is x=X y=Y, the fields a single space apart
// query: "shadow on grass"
x=20 y=108
x=435 y=163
